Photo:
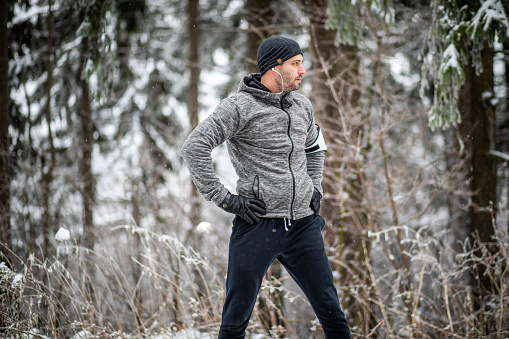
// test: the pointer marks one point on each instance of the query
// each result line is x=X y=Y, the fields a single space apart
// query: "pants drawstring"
x=288 y=223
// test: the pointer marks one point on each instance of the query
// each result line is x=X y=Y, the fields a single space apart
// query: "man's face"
x=292 y=71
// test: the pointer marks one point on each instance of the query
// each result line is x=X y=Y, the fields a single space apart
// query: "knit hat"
x=274 y=51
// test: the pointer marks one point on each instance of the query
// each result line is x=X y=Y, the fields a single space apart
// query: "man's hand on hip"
x=243 y=207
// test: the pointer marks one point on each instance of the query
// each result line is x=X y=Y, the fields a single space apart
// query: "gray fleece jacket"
x=266 y=134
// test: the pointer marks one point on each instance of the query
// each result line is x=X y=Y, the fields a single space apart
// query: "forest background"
x=103 y=234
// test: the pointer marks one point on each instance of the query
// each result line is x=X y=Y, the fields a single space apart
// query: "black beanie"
x=274 y=48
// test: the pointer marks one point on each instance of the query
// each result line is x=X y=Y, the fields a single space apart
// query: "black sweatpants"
x=301 y=250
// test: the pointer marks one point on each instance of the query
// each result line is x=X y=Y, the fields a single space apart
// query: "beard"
x=294 y=85
x=290 y=82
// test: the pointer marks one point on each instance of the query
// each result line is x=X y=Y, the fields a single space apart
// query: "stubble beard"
x=294 y=85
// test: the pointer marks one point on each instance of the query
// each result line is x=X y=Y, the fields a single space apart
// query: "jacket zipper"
x=289 y=157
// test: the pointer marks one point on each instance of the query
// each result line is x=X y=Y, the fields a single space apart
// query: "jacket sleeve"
x=315 y=160
x=196 y=151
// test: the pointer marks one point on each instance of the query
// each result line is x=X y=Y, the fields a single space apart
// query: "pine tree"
x=461 y=54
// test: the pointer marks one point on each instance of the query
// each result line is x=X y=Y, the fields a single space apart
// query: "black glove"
x=315 y=202
x=243 y=207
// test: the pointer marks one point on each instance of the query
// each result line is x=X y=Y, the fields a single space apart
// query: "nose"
x=302 y=70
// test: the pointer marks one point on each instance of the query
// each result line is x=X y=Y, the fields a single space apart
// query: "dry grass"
x=59 y=298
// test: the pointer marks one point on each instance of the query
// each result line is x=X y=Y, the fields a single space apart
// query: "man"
x=277 y=152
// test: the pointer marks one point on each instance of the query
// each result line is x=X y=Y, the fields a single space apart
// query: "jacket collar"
x=260 y=94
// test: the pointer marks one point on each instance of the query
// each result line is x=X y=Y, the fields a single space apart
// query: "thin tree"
x=48 y=165
x=87 y=146
x=193 y=92
x=193 y=64
x=5 y=157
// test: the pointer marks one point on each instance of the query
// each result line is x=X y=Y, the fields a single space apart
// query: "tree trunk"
x=505 y=123
x=477 y=131
x=193 y=92
x=193 y=237
x=87 y=144
x=5 y=156
x=336 y=100
x=88 y=239
x=47 y=168
x=32 y=236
